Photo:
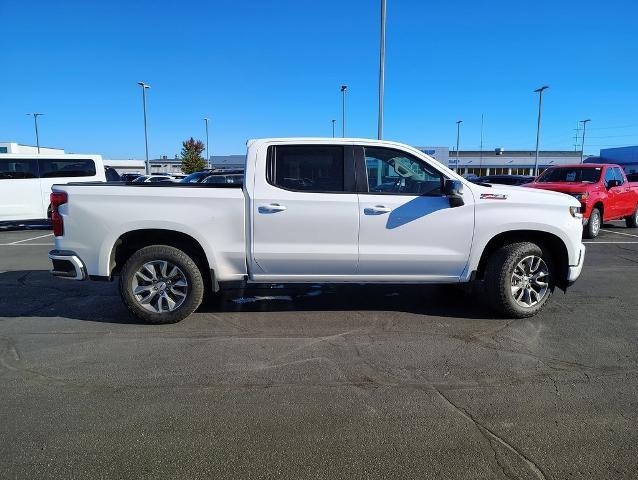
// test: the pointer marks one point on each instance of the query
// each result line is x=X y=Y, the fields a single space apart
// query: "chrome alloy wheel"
x=159 y=286
x=595 y=222
x=530 y=281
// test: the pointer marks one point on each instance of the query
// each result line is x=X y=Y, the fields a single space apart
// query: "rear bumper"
x=573 y=271
x=67 y=264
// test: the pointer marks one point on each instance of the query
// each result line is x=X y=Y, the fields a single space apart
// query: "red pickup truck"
x=602 y=189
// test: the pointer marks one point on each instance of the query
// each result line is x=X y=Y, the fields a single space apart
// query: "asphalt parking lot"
x=311 y=382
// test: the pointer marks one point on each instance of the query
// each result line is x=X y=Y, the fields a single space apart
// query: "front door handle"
x=376 y=210
x=271 y=208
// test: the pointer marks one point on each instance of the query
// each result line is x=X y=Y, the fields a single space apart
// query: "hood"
x=563 y=187
x=531 y=195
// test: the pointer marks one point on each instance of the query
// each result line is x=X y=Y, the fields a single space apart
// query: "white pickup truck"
x=318 y=210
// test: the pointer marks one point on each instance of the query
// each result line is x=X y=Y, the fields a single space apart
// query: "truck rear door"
x=305 y=220
x=626 y=198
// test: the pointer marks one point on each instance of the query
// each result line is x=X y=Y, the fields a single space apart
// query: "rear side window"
x=11 y=168
x=312 y=168
x=55 y=168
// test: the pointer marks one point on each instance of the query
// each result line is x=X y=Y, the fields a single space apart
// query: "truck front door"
x=305 y=220
x=407 y=227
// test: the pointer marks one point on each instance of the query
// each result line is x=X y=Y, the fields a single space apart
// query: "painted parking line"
x=29 y=239
x=32 y=244
x=619 y=233
x=605 y=242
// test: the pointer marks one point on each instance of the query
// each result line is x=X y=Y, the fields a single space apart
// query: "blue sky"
x=273 y=68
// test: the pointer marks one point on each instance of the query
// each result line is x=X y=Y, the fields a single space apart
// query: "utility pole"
x=381 y=71
x=333 y=128
x=538 y=124
x=458 y=137
x=576 y=142
x=481 y=158
x=343 y=109
x=144 y=87
x=582 y=145
x=35 y=116
x=207 y=150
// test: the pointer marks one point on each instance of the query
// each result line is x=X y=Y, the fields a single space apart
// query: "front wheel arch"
x=547 y=241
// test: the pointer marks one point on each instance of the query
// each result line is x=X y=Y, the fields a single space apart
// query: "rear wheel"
x=632 y=220
x=592 y=228
x=161 y=284
x=519 y=279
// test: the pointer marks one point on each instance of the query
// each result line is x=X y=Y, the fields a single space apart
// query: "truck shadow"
x=34 y=293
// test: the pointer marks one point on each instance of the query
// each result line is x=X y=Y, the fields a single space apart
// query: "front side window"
x=316 y=168
x=55 y=168
x=609 y=176
x=11 y=168
x=395 y=172
x=618 y=175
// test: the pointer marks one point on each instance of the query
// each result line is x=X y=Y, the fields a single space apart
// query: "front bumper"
x=573 y=272
x=67 y=264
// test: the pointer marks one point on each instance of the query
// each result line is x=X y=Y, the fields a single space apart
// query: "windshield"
x=194 y=177
x=571 y=174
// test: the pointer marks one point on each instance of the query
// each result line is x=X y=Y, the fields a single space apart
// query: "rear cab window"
x=56 y=168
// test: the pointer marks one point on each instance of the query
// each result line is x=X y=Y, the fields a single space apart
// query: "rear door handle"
x=272 y=208
x=376 y=210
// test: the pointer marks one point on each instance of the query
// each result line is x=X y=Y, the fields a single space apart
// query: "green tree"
x=192 y=160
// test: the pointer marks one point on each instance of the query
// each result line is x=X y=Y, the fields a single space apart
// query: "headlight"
x=575 y=212
x=581 y=197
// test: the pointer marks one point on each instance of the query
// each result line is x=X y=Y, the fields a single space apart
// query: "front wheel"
x=161 y=284
x=632 y=220
x=519 y=279
x=592 y=229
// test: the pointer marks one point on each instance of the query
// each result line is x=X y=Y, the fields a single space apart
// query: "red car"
x=602 y=189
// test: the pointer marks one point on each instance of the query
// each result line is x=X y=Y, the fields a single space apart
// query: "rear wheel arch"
x=130 y=242
x=547 y=241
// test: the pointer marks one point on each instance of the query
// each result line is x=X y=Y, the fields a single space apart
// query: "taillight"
x=57 y=199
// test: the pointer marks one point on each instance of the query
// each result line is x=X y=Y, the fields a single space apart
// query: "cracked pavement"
x=318 y=382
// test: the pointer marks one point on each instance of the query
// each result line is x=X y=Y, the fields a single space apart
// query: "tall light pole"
x=582 y=145
x=333 y=128
x=538 y=125
x=144 y=87
x=207 y=150
x=35 y=116
x=381 y=71
x=343 y=109
x=458 y=138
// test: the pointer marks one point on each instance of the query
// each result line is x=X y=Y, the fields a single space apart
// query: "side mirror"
x=453 y=190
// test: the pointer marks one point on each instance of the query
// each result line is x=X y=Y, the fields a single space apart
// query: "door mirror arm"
x=453 y=190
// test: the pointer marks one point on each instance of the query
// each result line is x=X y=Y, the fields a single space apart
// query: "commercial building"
x=626 y=157
x=173 y=165
x=501 y=162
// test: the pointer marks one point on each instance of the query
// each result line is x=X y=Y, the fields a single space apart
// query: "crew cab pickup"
x=318 y=210
x=602 y=190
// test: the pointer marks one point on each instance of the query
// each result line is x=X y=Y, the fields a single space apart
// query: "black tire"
x=188 y=268
x=595 y=221
x=632 y=220
x=497 y=285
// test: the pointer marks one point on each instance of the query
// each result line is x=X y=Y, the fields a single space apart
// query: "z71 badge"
x=493 y=196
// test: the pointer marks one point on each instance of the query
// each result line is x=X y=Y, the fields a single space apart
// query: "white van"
x=26 y=180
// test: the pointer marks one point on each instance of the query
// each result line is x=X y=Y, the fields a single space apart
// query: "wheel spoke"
x=159 y=286
x=142 y=289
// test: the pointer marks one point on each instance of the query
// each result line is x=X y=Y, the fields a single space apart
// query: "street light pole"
x=582 y=145
x=35 y=116
x=343 y=109
x=458 y=138
x=207 y=150
x=538 y=125
x=381 y=71
x=144 y=87
x=333 y=128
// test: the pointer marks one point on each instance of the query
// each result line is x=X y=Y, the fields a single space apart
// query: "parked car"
x=154 y=179
x=308 y=212
x=26 y=180
x=601 y=188
x=129 y=177
x=225 y=176
x=505 y=179
x=632 y=177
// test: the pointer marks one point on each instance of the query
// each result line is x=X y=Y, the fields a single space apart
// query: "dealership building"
x=626 y=157
x=500 y=161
